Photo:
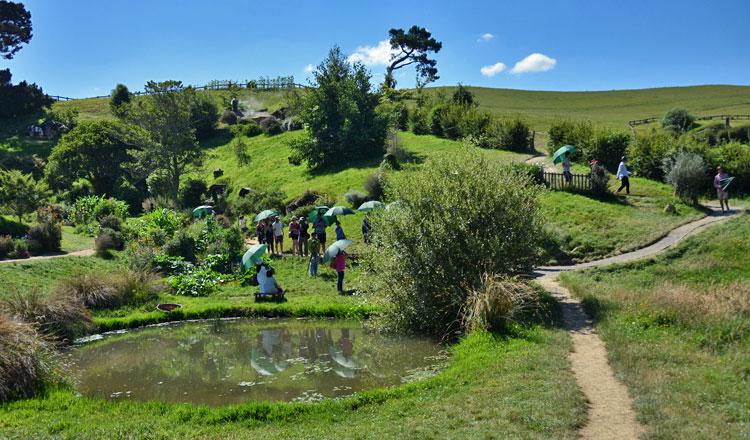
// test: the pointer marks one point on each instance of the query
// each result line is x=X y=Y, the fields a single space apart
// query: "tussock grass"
x=27 y=360
x=108 y=291
x=62 y=317
x=498 y=301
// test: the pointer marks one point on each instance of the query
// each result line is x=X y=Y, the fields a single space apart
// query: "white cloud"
x=493 y=69
x=485 y=37
x=309 y=68
x=536 y=62
x=379 y=55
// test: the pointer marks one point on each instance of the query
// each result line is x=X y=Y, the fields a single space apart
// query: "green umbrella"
x=266 y=214
x=334 y=249
x=252 y=255
x=370 y=206
x=725 y=183
x=202 y=211
x=558 y=156
x=319 y=211
x=338 y=210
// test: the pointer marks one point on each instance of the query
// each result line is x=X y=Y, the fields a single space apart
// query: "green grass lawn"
x=71 y=241
x=585 y=228
x=677 y=329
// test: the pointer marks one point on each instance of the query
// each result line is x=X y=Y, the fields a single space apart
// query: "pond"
x=222 y=362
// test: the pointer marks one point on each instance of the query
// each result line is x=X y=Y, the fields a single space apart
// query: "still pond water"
x=231 y=361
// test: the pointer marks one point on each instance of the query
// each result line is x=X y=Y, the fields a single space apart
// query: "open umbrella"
x=392 y=205
x=252 y=255
x=266 y=214
x=338 y=210
x=725 y=183
x=334 y=249
x=558 y=156
x=203 y=211
x=370 y=206
x=319 y=211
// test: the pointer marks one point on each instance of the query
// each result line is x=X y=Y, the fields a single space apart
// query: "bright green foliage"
x=686 y=172
x=20 y=193
x=457 y=218
x=95 y=150
x=340 y=113
x=119 y=99
x=607 y=148
x=166 y=113
x=678 y=121
x=87 y=212
x=734 y=158
x=645 y=155
x=579 y=134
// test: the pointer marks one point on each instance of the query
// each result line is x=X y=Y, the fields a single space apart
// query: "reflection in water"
x=222 y=362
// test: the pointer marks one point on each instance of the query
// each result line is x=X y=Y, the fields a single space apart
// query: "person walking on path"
x=720 y=184
x=566 y=168
x=278 y=234
x=339 y=231
x=314 y=250
x=339 y=264
x=624 y=175
x=304 y=235
x=294 y=235
x=366 y=228
x=320 y=228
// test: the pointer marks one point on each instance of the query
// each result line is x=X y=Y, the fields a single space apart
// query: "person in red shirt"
x=339 y=264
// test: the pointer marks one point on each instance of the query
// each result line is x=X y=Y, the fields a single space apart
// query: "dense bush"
x=258 y=201
x=436 y=119
x=375 y=186
x=511 y=134
x=196 y=282
x=181 y=245
x=401 y=116
x=192 y=191
x=204 y=115
x=419 y=121
x=686 y=172
x=270 y=126
x=119 y=96
x=487 y=210
x=107 y=240
x=20 y=99
x=47 y=235
x=228 y=117
x=579 y=134
x=355 y=198
x=607 y=147
x=12 y=228
x=21 y=194
x=646 y=154
x=246 y=127
x=128 y=193
x=88 y=211
x=734 y=158
x=599 y=181
x=678 y=121
x=6 y=246
x=28 y=361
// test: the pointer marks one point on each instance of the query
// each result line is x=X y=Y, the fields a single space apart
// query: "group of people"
x=307 y=240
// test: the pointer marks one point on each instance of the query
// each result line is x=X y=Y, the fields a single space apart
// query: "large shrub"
x=191 y=192
x=734 y=158
x=686 y=172
x=47 y=235
x=579 y=134
x=511 y=134
x=647 y=153
x=678 y=121
x=419 y=122
x=271 y=126
x=459 y=217
x=204 y=115
x=436 y=119
x=607 y=148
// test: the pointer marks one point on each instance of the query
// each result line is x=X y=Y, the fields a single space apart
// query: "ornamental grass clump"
x=497 y=301
x=28 y=361
x=459 y=217
x=62 y=317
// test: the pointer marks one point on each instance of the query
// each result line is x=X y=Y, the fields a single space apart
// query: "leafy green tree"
x=341 y=115
x=678 y=121
x=21 y=193
x=413 y=47
x=95 y=150
x=165 y=113
x=119 y=99
x=463 y=97
x=15 y=28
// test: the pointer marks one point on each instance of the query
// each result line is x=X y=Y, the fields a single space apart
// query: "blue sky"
x=84 y=47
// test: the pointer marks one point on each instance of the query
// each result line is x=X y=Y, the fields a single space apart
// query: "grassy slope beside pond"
x=678 y=330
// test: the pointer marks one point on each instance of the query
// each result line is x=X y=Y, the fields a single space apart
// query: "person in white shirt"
x=623 y=174
x=266 y=281
x=278 y=234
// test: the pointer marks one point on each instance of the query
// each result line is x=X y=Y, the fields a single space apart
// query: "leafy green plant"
x=686 y=172
x=196 y=282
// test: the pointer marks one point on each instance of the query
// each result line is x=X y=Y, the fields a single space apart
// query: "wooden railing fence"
x=556 y=181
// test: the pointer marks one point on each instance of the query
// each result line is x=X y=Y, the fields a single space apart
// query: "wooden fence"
x=279 y=83
x=635 y=122
x=578 y=182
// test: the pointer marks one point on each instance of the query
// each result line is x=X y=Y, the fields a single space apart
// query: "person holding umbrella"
x=721 y=182
x=622 y=174
x=320 y=229
x=314 y=254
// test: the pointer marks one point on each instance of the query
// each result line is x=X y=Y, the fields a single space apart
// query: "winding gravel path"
x=611 y=414
x=83 y=253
